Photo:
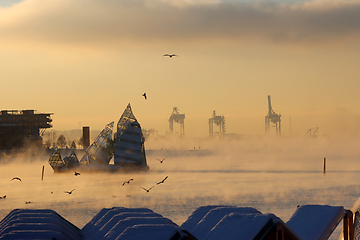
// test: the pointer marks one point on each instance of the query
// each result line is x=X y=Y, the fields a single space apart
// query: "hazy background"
x=271 y=175
x=85 y=60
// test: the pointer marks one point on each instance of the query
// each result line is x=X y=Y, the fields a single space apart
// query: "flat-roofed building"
x=19 y=129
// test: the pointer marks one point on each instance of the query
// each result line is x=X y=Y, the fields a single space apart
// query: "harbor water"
x=271 y=175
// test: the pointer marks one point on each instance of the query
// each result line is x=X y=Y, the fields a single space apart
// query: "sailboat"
x=126 y=148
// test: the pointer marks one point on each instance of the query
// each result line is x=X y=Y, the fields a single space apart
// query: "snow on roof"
x=122 y=225
x=97 y=217
x=214 y=216
x=208 y=222
x=152 y=232
x=315 y=221
x=197 y=215
x=36 y=234
x=97 y=233
x=235 y=226
x=105 y=215
x=37 y=224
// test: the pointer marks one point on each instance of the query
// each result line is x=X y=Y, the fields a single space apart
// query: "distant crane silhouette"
x=274 y=118
x=147 y=190
x=144 y=95
x=127 y=182
x=16 y=178
x=69 y=192
x=76 y=173
x=161 y=161
x=170 y=55
x=162 y=180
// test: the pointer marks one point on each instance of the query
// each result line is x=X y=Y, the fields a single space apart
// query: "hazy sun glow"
x=86 y=60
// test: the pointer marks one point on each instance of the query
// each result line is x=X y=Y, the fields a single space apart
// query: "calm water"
x=271 y=177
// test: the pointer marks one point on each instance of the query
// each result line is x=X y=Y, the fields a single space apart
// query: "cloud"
x=83 y=22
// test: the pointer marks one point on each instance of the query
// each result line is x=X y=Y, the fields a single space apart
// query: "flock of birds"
x=28 y=202
x=123 y=184
x=146 y=189
x=126 y=182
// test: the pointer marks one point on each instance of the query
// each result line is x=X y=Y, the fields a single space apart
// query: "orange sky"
x=86 y=60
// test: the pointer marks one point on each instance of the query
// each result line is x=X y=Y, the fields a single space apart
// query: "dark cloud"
x=94 y=21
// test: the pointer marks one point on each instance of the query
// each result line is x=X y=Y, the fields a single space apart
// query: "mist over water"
x=273 y=175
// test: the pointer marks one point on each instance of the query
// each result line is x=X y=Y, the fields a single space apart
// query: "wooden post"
x=346 y=228
x=348 y=218
x=42 y=173
x=351 y=228
x=324 y=170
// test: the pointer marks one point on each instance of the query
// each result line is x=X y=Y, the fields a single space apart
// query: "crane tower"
x=179 y=118
x=219 y=121
x=274 y=118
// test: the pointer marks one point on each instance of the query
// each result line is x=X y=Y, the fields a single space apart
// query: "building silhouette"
x=22 y=129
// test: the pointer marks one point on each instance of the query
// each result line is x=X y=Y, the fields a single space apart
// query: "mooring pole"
x=42 y=173
x=324 y=170
x=346 y=228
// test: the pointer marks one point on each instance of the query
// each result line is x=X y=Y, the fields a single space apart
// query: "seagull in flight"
x=161 y=161
x=3 y=197
x=127 y=182
x=16 y=178
x=170 y=55
x=162 y=180
x=147 y=190
x=144 y=95
x=69 y=192
x=76 y=173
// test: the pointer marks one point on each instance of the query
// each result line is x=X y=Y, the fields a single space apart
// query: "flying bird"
x=69 y=192
x=27 y=202
x=144 y=95
x=161 y=161
x=76 y=173
x=16 y=178
x=170 y=55
x=3 y=197
x=162 y=180
x=127 y=182
x=147 y=190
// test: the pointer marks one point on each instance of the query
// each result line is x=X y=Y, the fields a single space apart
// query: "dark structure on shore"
x=22 y=129
x=274 y=118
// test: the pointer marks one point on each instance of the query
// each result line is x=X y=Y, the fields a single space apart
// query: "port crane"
x=219 y=121
x=273 y=118
x=178 y=118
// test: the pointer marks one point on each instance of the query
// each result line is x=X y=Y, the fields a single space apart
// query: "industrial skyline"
x=86 y=60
